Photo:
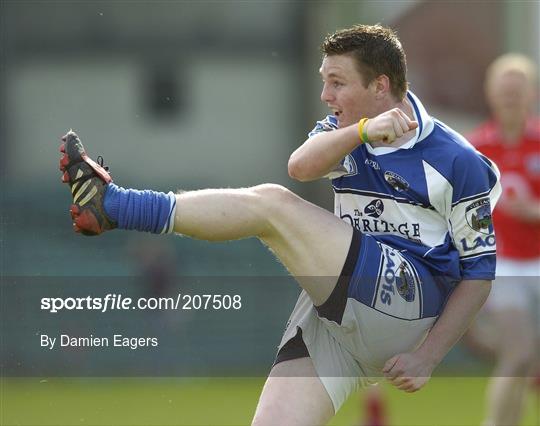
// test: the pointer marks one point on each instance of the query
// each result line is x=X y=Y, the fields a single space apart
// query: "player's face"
x=344 y=92
x=510 y=96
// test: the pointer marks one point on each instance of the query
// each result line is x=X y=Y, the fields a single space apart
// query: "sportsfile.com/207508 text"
x=111 y=302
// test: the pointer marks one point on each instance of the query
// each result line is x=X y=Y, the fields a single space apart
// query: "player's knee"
x=271 y=190
x=271 y=194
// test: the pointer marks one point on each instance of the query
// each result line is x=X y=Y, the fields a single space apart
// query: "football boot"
x=88 y=181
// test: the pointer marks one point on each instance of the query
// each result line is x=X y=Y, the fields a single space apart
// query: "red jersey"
x=519 y=164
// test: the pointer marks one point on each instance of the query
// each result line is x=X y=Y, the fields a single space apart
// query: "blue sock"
x=147 y=211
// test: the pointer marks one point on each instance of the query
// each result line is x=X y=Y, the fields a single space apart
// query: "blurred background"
x=185 y=95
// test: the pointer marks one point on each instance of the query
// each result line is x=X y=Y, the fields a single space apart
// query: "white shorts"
x=351 y=355
x=383 y=304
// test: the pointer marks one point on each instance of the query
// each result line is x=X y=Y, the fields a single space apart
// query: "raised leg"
x=311 y=242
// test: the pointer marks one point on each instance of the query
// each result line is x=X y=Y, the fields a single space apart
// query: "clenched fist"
x=389 y=126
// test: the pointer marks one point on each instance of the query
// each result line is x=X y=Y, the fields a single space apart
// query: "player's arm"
x=322 y=153
x=410 y=371
x=468 y=207
x=324 y=150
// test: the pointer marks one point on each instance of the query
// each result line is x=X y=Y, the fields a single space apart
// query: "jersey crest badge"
x=350 y=165
x=396 y=181
x=478 y=215
x=405 y=282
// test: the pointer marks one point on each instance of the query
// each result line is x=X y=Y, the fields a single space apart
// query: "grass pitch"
x=225 y=401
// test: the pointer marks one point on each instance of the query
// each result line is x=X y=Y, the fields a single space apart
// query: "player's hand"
x=389 y=126
x=408 y=371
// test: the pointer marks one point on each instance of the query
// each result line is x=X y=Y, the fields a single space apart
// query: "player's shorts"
x=517 y=286
x=375 y=311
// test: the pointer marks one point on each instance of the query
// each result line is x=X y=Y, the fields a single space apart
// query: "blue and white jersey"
x=430 y=198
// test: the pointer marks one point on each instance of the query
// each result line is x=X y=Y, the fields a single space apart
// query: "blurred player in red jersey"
x=512 y=140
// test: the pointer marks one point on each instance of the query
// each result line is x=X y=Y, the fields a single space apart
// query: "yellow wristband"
x=362 y=134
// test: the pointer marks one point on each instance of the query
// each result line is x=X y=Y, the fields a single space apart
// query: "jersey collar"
x=425 y=127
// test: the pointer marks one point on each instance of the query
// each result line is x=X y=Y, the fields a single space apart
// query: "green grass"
x=153 y=401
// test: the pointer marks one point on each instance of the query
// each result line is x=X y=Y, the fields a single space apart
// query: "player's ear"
x=381 y=86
